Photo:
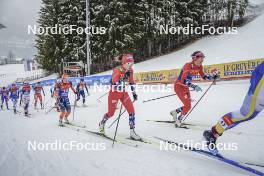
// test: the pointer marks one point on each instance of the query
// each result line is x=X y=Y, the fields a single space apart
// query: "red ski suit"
x=115 y=95
x=181 y=88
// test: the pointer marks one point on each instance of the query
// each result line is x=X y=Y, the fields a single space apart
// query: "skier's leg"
x=68 y=111
x=40 y=100
x=35 y=101
x=127 y=103
x=250 y=109
x=2 y=101
x=62 y=110
x=252 y=105
x=78 y=96
x=83 y=96
x=6 y=101
x=183 y=93
x=113 y=98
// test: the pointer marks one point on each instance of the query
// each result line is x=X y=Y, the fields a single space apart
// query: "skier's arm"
x=78 y=87
x=116 y=77
x=43 y=91
x=132 y=85
x=72 y=88
x=185 y=72
x=87 y=89
x=203 y=76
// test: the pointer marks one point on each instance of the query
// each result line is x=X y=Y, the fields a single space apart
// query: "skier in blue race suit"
x=4 y=97
x=14 y=95
x=80 y=90
x=253 y=104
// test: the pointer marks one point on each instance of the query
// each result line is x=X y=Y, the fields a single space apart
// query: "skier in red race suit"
x=184 y=82
x=122 y=75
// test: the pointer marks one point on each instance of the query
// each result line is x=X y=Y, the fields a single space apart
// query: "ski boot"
x=60 y=123
x=26 y=114
x=177 y=119
x=134 y=135
x=102 y=124
x=210 y=139
x=102 y=127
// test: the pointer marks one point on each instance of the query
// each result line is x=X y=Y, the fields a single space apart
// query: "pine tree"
x=49 y=45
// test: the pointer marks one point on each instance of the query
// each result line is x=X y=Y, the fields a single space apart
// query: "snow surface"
x=16 y=131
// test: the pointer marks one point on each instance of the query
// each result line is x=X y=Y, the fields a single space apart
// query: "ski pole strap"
x=184 y=118
x=158 y=98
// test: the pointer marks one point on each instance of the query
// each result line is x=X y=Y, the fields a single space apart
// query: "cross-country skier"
x=63 y=97
x=4 y=97
x=80 y=90
x=253 y=104
x=25 y=96
x=14 y=96
x=120 y=76
x=184 y=82
x=37 y=95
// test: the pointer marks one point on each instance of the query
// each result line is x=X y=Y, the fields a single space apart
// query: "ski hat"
x=197 y=54
x=82 y=79
x=25 y=82
x=126 y=58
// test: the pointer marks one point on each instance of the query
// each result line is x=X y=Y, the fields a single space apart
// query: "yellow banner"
x=232 y=70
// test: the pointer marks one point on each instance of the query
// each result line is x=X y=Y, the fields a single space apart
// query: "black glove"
x=216 y=76
x=127 y=74
x=135 y=96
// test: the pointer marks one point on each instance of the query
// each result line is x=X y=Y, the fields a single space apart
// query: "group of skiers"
x=122 y=76
x=253 y=103
x=22 y=93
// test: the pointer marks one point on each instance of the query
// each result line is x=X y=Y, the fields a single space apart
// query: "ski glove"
x=216 y=76
x=127 y=75
x=135 y=96
x=196 y=87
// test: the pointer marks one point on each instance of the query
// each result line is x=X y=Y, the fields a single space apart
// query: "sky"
x=16 y=15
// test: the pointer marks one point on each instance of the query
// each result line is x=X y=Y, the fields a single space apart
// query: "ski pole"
x=75 y=102
x=158 y=98
x=50 y=110
x=118 y=118
x=98 y=99
x=46 y=102
x=198 y=100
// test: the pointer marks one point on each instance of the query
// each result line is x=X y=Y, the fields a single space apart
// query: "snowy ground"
x=16 y=131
